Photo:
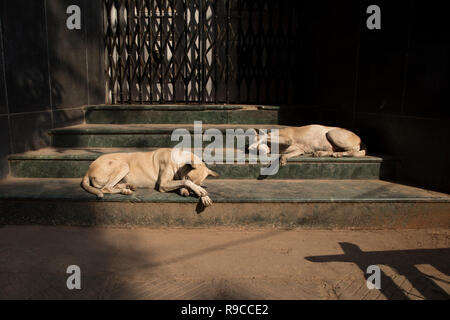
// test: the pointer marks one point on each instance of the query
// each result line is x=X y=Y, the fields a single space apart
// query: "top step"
x=162 y=114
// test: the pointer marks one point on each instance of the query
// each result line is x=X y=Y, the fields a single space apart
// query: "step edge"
x=372 y=160
x=115 y=129
x=182 y=107
x=221 y=200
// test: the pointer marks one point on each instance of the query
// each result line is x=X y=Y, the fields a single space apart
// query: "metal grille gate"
x=201 y=51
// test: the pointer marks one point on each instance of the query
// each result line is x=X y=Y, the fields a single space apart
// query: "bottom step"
x=367 y=204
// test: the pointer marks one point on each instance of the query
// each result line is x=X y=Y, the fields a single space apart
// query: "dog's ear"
x=194 y=165
x=213 y=173
x=196 y=162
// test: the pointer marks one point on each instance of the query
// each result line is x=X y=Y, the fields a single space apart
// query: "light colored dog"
x=164 y=169
x=318 y=140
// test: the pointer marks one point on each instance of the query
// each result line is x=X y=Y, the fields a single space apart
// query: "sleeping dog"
x=164 y=169
x=318 y=140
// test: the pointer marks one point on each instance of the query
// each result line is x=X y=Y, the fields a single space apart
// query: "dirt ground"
x=222 y=263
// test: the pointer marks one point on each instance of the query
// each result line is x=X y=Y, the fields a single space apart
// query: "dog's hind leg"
x=113 y=186
x=339 y=154
x=123 y=188
x=345 y=143
x=322 y=153
x=360 y=153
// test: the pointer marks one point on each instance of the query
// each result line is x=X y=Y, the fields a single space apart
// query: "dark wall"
x=390 y=85
x=47 y=72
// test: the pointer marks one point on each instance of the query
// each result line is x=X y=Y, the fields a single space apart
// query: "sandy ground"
x=222 y=263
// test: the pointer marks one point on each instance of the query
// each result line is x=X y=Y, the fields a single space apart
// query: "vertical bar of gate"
x=151 y=13
x=146 y=36
x=186 y=57
x=172 y=30
x=109 y=47
x=140 y=48
x=215 y=49
x=201 y=65
x=240 y=33
x=162 y=54
x=228 y=53
x=250 y=76
x=118 y=36
x=260 y=79
x=128 y=47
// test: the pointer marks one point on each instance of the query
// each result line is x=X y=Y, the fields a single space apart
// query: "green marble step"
x=134 y=135
x=73 y=163
x=163 y=114
x=367 y=204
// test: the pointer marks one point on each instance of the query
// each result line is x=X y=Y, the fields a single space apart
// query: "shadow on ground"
x=34 y=260
x=404 y=262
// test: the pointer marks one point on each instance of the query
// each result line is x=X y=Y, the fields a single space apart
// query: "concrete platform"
x=280 y=203
x=73 y=163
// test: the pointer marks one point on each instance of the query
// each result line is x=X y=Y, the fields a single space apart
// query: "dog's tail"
x=86 y=185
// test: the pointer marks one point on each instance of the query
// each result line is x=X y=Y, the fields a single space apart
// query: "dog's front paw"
x=283 y=161
x=184 y=192
x=253 y=147
x=206 y=200
x=202 y=193
x=126 y=192
x=263 y=149
x=131 y=187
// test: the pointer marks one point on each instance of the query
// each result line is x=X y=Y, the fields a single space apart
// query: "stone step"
x=73 y=163
x=134 y=135
x=366 y=204
x=162 y=114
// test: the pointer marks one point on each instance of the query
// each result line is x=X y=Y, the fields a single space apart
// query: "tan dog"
x=164 y=169
x=318 y=140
